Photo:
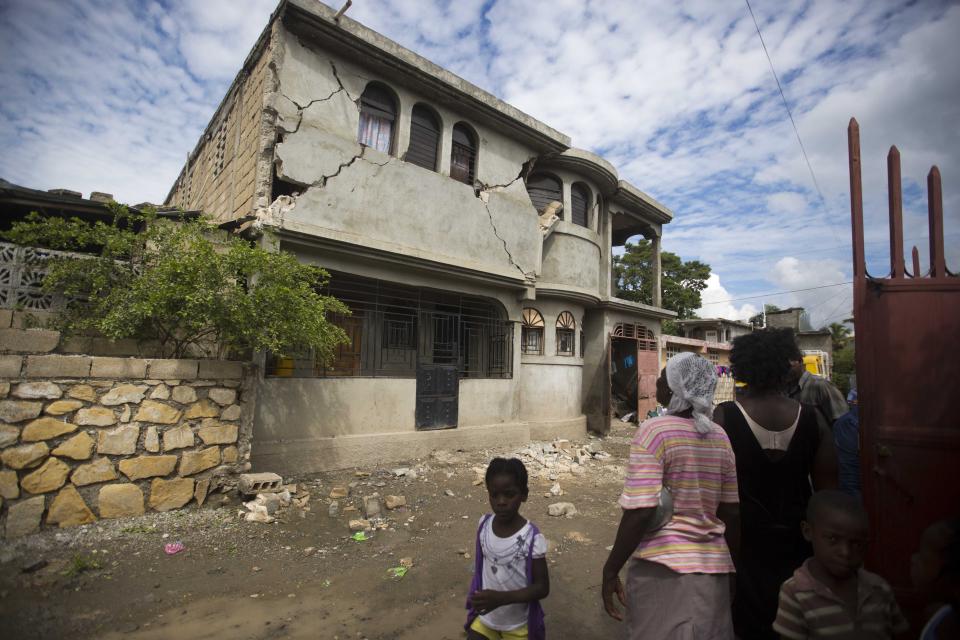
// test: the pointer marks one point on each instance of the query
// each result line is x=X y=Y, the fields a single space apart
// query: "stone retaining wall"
x=86 y=437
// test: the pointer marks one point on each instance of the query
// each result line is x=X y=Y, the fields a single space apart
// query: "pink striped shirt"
x=700 y=471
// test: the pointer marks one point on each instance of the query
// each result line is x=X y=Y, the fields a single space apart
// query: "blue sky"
x=109 y=95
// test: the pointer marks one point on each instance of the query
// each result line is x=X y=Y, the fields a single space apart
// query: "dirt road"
x=303 y=576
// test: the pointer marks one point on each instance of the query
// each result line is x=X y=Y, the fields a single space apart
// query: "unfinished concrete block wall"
x=220 y=177
x=84 y=437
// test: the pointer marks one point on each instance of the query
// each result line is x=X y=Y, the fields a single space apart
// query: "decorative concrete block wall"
x=84 y=437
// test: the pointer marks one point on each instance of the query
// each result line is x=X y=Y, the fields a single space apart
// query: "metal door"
x=438 y=374
x=908 y=364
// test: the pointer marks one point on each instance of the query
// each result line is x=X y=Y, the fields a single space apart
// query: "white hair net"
x=692 y=380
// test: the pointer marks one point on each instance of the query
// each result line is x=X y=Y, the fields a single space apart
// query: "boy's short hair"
x=511 y=467
x=833 y=500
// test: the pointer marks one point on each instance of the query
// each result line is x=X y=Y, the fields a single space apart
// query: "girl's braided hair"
x=511 y=467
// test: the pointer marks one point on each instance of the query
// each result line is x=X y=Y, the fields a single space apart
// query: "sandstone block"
x=24 y=517
x=123 y=394
x=8 y=435
x=178 y=438
x=100 y=470
x=125 y=414
x=121 y=441
x=69 y=510
x=223 y=397
x=10 y=366
x=82 y=392
x=202 y=409
x=96 y=417
x=153 y=411
x=192 y=462
x=51 y=475
x=220 y=369
x=213 y=432
x=230 y=455
x=19 y=410
x=79 y=447
x=164 y=369
x=24 y=456
x=392 y=502
x=46 y=428
x=37 y=391
x=29 y=341
x=200 y=493
x=151 y=441
x=61 y=407
x=148 y=466
x=58 y=366
x=9 y=487
x=170 y=494
x=184 y=394
x=4 y=389
x=360 y=525
x=6 y=318
x=160 y=392
x=118 y=368
x=120 y=501
x=339 y=492
x=231 y=413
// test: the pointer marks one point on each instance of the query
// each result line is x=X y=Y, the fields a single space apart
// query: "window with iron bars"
x=566 y=332
x=392 y=327
x=531 y=333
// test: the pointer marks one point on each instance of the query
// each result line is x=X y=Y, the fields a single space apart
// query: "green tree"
x=844 y=366
x=840 y=334
x=681 y=281
x=184 y=283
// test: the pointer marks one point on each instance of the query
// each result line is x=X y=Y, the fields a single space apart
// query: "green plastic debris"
x=397 y=572
x=360 y=536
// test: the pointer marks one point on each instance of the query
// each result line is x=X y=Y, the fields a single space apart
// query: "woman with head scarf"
x=680 y=566
x=780 y=449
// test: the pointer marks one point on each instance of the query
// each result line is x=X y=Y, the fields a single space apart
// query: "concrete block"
x=220 y=369
x=118 y=368
x=6 y=317
x=10 y=366
x=28 y=340
x=33 y=319
x=58 y=366
x=172 y=369
x=251 y=483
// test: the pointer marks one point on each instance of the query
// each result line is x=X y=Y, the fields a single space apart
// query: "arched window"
x=543 y=190
x=579 y=203
x=566 y=330
x=463 y=155
x=531 y=332
x=424 y=138
x=378 y=117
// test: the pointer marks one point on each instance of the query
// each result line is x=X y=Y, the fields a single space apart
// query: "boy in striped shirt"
x=831 y=595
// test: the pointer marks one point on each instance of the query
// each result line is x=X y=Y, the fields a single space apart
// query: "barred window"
x=378 y=115
x=531 y=333
x=544 y=189
x=424 y=138
x=392 y=327
x=646 y=338
x=580 y=204
x=566 y=332
x=463 y=154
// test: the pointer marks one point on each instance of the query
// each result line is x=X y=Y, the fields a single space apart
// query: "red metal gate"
x=908 y=372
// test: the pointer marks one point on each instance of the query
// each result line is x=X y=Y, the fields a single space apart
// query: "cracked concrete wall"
x=220 y=177
x=360 y=195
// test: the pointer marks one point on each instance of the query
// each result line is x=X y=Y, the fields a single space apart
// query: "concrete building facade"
x=472 y=243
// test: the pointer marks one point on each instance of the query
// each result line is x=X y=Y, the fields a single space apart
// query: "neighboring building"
x=472 y=243
x=808 y=340
x=713 y=329
x=710 y=338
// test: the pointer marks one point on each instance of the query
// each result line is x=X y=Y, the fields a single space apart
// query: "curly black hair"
x=511 y=467
x=762 y=359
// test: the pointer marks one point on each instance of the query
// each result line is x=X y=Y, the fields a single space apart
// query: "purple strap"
x=536 y=623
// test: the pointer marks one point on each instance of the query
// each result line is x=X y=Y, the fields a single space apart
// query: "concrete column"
x=567 y=213
x=446 y=145
x=657 y=279
x=401 y=137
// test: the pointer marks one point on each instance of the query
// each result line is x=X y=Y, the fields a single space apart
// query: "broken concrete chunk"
x=371 y=506
x=393 y=502
x=251 y=483
x=558 y=509
x=360 y=525
x=339 y=492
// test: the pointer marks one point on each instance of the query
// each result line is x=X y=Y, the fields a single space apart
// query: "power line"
x=778 y=293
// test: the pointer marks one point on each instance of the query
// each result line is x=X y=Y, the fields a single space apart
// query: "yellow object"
x=284 y=367
x=520 y=633
x=814 y=364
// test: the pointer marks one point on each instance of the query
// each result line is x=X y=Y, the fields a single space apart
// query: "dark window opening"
x=580 y=204
x=378 y=114
x=566 y=332
x=646 y=338
x=463 y=156
x=280 y=187
x=424 y=138
x=393 y=327
x=543 y=190
x=531 y=333
x=581 y=344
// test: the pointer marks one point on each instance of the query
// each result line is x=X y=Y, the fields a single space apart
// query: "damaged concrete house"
x=472 y=243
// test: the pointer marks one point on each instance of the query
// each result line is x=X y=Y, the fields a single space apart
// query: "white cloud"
x=715 y=300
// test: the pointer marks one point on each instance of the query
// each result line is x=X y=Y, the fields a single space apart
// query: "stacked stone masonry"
x=84 y=437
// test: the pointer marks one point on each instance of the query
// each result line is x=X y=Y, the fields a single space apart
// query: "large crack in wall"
x=483 y=191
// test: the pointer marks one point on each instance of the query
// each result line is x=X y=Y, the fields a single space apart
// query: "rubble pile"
x=549 y=460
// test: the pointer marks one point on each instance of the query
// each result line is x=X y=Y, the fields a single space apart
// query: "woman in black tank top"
x=778 y=457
